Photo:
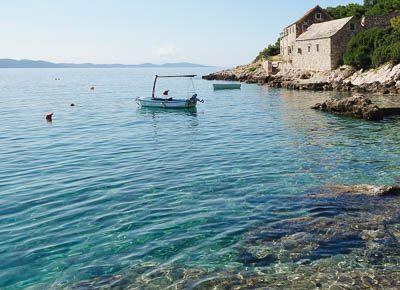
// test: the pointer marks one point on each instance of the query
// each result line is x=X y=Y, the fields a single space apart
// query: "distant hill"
x=26 y=63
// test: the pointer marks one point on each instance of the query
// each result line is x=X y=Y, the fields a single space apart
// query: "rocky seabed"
x=349 y=239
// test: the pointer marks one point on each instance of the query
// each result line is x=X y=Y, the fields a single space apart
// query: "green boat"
x=226 y=86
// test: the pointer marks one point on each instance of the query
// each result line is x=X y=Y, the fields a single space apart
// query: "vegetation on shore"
x=343 y=11
x=270 y=50
x=369 y=7
x=369 y=48
x=376 y=46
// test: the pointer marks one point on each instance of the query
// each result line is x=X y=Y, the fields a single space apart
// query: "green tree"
x=270 y=50
x=382 y=7
x=369 y=3
x=373 y=47
x=342 y=11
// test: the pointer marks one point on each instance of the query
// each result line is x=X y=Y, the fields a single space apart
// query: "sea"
x=231 y=194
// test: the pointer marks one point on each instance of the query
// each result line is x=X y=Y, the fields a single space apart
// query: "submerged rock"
x=365 y=189
x=350 y=240
x=357 y=106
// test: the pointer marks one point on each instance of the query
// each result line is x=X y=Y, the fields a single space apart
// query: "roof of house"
x=312 y=10
x=324 y=29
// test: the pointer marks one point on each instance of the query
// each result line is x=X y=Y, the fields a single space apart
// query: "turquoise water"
x=108 y=188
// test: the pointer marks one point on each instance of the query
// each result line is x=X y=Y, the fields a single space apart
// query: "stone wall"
x=329 y=56
x=308 y=57
x=287 y=40
x=340 y=40
x=380 y=21
x=271 y=67
x=311 y=18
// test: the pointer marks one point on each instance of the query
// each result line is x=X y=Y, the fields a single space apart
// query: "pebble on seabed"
x=49 y=117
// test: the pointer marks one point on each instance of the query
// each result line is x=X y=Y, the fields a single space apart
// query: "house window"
x=289 y=50
x=299 y=50
x=352 y=26
x=317 y=47
x=309 y=48
x=318 y=16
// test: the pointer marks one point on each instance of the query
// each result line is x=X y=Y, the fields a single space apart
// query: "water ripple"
x=108 y=188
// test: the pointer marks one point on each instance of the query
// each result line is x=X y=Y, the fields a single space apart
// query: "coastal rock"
x=383 y=80
x=251 y=73
x=384 y=75
x=357 y=106
x=361 y=189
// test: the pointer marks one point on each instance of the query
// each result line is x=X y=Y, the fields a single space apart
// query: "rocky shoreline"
x=383 y=80
x=358 y=106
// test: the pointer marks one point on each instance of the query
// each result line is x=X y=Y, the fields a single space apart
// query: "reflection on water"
x=159 y=111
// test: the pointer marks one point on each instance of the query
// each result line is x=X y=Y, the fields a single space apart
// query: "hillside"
x=26 y=63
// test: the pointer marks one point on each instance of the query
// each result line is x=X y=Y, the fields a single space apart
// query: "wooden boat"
x=170 y=102
x=226 y=86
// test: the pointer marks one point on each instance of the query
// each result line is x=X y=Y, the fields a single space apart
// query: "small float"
x=226 y=86
x=167 y=102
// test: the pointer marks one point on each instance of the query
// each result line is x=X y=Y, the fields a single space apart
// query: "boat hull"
x=226 y=86
x=174 y=104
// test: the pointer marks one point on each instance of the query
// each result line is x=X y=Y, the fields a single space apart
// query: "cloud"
x=165 y=51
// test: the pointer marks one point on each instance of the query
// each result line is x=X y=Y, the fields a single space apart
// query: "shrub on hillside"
x=395 y=52
x=373 y=47
x=270 y=50
x=360 y=48
x=395 y=21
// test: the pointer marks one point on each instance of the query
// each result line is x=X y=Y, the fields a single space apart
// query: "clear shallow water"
x=108 y=187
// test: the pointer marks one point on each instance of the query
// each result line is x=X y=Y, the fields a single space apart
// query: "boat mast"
x=175 y=76
x=154 y=87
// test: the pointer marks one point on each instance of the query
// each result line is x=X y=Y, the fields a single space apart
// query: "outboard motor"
x=194 y=98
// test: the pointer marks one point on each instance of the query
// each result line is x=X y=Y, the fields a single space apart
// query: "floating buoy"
x=92 y=88
x=49 y=117
x=72 y=104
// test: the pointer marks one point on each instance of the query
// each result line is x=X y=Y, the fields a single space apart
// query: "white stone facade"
x=288 y=37
x=313 y=55
x=320 y=47
x=290 y=33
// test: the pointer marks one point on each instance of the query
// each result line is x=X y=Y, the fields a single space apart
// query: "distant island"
x=26 y=63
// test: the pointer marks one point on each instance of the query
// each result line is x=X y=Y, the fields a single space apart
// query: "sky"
x=210 y=32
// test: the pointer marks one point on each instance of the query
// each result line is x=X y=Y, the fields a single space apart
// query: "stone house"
x=316 y=42
x=322 y=46
x=294 y=30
